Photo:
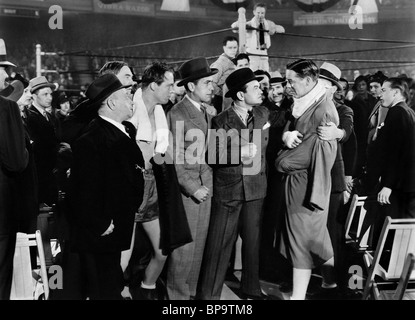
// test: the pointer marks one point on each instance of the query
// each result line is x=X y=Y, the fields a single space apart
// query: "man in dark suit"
x=187 y=120
x=106 y=187
x=42 y=132
x=237 y=156
x=341 y=173
x=13 y=159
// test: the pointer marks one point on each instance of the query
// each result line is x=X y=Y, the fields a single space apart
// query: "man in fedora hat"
x=194 y=175
x=239 y=187
x=279 y=106
x=13 y=159
x=43 y=132
x=106 y=187
x=342 y=171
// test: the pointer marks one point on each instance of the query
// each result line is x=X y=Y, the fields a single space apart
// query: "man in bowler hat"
x=195 y=176
x=106 y=187
x=239 y=187
x=13 y=159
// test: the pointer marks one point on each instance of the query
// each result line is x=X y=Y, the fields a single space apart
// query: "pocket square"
x=266 y=126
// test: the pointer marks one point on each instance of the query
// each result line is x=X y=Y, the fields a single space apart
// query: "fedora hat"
x=13 y=91
x=100 y=89
x=194 y=69
x=3 y=57
x=39 y=83
x=277 y=78
x=237 y=79
x=331 y=73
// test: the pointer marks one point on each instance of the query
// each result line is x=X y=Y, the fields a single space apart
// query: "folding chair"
x=357 y=230
x=401 y=292
x=25 y=280
x=386 y=263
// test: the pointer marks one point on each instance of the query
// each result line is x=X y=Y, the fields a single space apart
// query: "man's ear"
x=240 y=95
x=110 y=102
x=191 y=86
x=153 y=86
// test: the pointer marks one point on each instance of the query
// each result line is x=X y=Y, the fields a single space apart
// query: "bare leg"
x=125 y=259
x=156 y=264
x=301 y=279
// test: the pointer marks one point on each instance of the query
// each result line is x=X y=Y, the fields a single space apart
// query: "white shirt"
x=117 y=124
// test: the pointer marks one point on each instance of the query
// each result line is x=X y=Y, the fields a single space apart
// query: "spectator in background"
x=43 y=132
x=242 y=61
x=258 y=37
x=264 y=83
x=224 y=64
x=177 y=93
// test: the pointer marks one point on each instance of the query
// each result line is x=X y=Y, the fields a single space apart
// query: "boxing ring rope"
x=242 y=35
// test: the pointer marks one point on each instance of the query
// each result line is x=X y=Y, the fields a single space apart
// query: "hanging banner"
x=232 y=5
x=330 y=18
x=175 y=5
x=125 y=7
x=315 y=5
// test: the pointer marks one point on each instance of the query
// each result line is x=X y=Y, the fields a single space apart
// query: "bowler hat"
x=3 y=57
x=100 y=89
x=13 y=91
x=39 y=83
x=277 y=78
x=237 y=79
x=331 y=73
x=194 y=69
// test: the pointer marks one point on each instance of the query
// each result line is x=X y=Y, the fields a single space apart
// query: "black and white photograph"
x=200 y=155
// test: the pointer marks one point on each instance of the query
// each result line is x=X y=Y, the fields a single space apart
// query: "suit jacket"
x=233 y=179
x=186 y=123
x=394 y=149
x=13 y=159
x=45 y=147
x=106 y=184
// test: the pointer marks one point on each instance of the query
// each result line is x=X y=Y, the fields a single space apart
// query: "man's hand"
x=109 y=230
x=292 y=139
x=248 y=151
x=201 y=194
x=330 y=132
x=384 y=196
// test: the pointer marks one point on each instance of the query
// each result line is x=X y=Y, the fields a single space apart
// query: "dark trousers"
x=104 y=276
x=7 y=246
x=335 y=226
x=227 y=218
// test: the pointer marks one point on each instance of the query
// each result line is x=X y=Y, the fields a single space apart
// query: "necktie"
x=129 y=127
x=45 y=114
x=261 y=34
x=203 y=110
x=250 y=124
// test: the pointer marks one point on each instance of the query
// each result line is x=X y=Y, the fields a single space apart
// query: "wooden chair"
x=401 y=292
x=25 y=279
x=357 y=231
x=386 y=263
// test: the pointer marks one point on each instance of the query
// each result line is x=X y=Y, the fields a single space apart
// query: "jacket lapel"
x=194 y=115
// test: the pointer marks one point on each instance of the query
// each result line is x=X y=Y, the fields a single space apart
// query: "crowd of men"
x=154 y=180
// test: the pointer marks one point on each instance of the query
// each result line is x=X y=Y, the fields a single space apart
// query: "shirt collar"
x=40 y=109
x=115 y=123
x=196 y=104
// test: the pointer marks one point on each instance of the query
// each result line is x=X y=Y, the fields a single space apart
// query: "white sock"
x=148 y=286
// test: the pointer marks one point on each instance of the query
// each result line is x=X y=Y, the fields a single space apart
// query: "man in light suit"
x=239 y=187
x=13 y=159
x=188 y=120
x=106 y=187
